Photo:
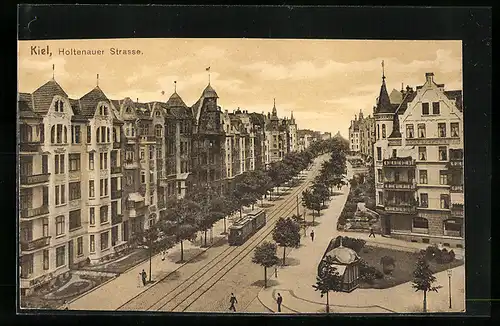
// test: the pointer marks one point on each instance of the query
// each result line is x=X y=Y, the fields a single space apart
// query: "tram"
x=245 y=227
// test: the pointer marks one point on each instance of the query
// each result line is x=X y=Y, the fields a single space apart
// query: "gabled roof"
x=176 y=101
x=209 y=92
x=88 y=102
x=408 y=97
x=457 y=96
x=43 y=96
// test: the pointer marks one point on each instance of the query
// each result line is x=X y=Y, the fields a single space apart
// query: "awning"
x=135 y=197
x=340 y=268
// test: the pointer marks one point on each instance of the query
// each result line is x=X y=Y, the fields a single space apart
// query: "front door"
x=70 y=254
x=386 y=224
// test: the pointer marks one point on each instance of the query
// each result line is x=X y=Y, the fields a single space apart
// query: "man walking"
x=232 y=301
x=279 y=300
x=371 y=232
x=276 y=271
x=163 y=252
x=312 y=235
x=144 y=276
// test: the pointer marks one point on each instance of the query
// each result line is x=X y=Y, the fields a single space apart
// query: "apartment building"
x=419 y=164
x=362 y=135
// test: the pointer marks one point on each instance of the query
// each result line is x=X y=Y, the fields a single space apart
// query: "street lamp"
x=449 y=284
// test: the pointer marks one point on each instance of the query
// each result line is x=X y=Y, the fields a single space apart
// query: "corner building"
x=419 y=164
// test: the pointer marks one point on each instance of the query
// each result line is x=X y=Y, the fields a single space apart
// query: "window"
x=129 y=180
x=454 y=129
x=442 y=129
x=129 y=156
x=91 y=161
x=103 y=162
x=75 y=219
x=424 y=200
x=421 y=130
x=381 y=198
x=75 y=134
x=79 y=246
x=409 y=131
x=92 y=243
x=151 y=153
x=442 y=153
x=74 y=162
x=425 y=108
x=158 y=129
x=396 y=176
x=115 y=136
x=435 y=107
x=422 y=153
x=379 y=175
x=179 y=187
x=420 y=223
x=143 y=177
x=92 y=216
x=74 y=190
x=104 y=240
x=60 y=192
x=59 y=164
x=383 y=131
x=45 y=259
x=103 y=183
x=423 y=176
x=141 y=155
x=394 y=153
x=379 y=153
x=91 y=189
x=378 y=131
x=158 y=153
x=89 y=134
x=443 y=177
x=114 y=235
x=45 y=227
x=60 y=227
x=60 y=255
x=445 y=201
x=103 y=214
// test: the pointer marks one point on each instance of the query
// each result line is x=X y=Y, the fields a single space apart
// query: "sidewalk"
x=295 y=282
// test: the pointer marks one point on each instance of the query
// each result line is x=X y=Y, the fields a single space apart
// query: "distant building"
x=362 y=135
x=419 y=164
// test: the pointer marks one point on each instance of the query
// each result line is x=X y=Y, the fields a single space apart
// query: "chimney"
x=429 y=76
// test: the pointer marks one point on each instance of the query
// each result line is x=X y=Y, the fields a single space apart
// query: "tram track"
x=184 y=294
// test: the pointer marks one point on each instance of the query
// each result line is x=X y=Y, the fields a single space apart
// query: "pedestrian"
x=140 y=280
x=65 y=305
x=312 y=235
x=144 y=276
x=279 y=300
x=163 y=255
x=276 y=271
x=371 y=232
x=232 y=301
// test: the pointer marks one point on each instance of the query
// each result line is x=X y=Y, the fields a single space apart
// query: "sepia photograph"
x=237 y=175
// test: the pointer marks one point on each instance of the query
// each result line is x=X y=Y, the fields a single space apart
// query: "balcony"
x=34 y=179
x=394 y=141
x=117 y=145
x=400 y=208
x=30 y=147
x=115 y=194
x=399 y=185
x=35 y=244
x=116 y=169
x=432 y=141
x=456 y=188
x=147 y=139
x=130 y=164
x=34 y=212
x=457 y=210
x=454 y=163
x=396 y=162
x=116 y=218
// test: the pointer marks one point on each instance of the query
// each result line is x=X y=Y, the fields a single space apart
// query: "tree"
x=328 y=279
x=312 y=201
x=423 y=279
x=286 y=233
x=322 y=191
x=388 y=264
x=180 y=220
x=265 y=255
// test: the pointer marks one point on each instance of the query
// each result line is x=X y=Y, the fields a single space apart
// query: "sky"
x=324 y=82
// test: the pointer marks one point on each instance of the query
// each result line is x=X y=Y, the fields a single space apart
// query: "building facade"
x=362 y=135
x=419 y=164
x=96 y=171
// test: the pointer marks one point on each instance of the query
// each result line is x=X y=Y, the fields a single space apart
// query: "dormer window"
x=157 y=113
x=59 y=106
x=103 y=110
x=128 y=110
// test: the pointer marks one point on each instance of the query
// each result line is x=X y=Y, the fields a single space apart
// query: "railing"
x=400 y=208
x=420 y=230
x=34 y=179
x=148 y=139
x=31 y=147
x=457 y=211
x=399 y=185
x=32 y=212
x=116 y=169
x=456 y=188
x=395 y=142
x=456 y=163
x=432 y=141
x=115 y=194
x=116 y=218
x=399 y=162
x=35 y=244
